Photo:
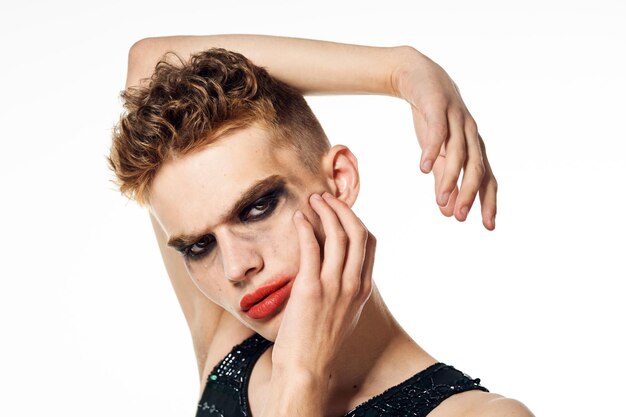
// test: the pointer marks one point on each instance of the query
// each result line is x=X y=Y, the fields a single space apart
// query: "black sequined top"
x=226 y=390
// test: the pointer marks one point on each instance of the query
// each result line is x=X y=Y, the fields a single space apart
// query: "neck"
x=367 y=362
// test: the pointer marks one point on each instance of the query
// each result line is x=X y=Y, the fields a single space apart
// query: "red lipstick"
x=267 y=299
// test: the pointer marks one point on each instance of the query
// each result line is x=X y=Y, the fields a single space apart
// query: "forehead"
x=191 y=192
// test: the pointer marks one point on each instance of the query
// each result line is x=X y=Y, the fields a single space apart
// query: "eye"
x=199 y=248
x=260 y=208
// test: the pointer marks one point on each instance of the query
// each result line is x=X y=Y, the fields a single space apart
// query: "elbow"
x=142 y=49
x=142 y=58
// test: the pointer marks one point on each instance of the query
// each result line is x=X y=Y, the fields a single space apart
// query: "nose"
x=240 y=259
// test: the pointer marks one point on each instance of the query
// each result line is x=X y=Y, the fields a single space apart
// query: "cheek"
x=204 y=277
x=284 y=235
x=301 y=202
x=280 y=239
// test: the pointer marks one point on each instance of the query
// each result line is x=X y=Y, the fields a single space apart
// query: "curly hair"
x=187 y=105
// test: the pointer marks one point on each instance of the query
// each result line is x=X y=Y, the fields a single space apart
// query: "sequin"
x=226 y=387
x=418 y=395
x=226 y=394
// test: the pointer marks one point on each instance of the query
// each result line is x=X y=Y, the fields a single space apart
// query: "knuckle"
x=341 y=236
x=472 y=127
x=361 y=234
x=439 y=130
x=478 y=169
x=330 y=284
x=351 y=287
x=456 y=113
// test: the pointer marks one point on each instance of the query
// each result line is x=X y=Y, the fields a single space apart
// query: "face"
x=228 y=210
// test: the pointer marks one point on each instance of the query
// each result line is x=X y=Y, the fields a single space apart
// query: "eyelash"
x=270 y=199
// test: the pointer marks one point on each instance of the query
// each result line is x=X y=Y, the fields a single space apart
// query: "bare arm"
x=334 y=68
x=446 y=131
x=201 y=314
x=310 y=66
x=203 y=317
x=313 y=67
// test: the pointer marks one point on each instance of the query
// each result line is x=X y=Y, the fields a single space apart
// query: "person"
x=251 y=207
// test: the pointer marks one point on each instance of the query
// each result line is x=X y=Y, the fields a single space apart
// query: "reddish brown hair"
x=187 y=105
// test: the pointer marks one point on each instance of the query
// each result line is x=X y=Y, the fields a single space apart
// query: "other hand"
x=449 y=138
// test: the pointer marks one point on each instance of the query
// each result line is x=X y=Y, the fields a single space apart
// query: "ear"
x=342 y=173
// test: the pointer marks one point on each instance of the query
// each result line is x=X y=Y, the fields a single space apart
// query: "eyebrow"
x=246 y=198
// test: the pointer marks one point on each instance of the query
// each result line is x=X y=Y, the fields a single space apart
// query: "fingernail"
x=493 y=222
x=427 y=165
x=316 y=197
x=464 y=211
x=327 y=195
x=444 y=198
x=298 y=215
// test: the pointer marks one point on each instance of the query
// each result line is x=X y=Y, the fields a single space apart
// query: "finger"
x=487 y=195
x=440 y=165
x=488 y=192
x=357 y=239
x=448 y=210
x=474 y=172
x=436 y=134
x=309 y=250
x=456 y=153
x=335 y=242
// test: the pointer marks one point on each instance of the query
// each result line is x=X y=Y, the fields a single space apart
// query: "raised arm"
x=446 y=131
x=311 y=66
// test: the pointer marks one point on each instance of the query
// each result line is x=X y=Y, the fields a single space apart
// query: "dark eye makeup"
x=260 y=209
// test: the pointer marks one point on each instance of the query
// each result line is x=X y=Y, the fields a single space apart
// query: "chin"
x=269 y=327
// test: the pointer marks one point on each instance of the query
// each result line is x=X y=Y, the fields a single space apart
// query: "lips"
x=266 y=299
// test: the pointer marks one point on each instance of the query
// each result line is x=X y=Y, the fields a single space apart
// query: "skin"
x=248 y=255
x=452 y=150
x=334 y=306
x=215 y=179
x=403 y=72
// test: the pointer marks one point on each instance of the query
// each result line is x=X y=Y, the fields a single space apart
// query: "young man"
x=274 y=270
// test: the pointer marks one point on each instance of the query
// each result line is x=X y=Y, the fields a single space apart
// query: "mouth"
x=267 y=299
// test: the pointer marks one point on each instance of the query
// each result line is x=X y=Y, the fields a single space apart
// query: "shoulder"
x=503 y=407
x=476 y=403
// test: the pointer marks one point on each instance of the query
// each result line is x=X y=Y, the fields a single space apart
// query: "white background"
x=89 y=322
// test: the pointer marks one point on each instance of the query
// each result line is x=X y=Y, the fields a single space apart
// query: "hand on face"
x=327 y=297
x=449 y=138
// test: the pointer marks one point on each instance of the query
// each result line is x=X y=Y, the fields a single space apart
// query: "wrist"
x=301 y=375
x=407 y=60
x=296 y=391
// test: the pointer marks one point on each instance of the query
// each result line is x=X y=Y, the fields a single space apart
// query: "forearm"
x=312 y=66
x=296 y=394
